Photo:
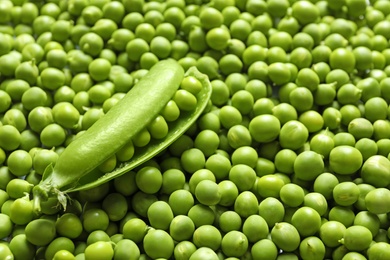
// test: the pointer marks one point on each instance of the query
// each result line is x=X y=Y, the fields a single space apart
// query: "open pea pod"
x=77 y=167
x=143 y=154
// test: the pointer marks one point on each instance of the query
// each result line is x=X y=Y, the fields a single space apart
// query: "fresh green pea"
x=348 y=113
x=312 y=120
x=238 y=136
x=293 y=135
x=16 y=118
x=19 y=162
x=301 y=99
x=285 y=236
x=375 y=109
x=52 y=135
x=16 y=88
x=10 y=137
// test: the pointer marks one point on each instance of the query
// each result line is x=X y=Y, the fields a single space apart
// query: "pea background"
x=294 y=142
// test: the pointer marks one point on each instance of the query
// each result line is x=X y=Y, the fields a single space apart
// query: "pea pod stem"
x=105 y=137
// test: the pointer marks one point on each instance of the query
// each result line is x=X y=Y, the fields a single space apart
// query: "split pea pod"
x=77 y=167
x=128 y=117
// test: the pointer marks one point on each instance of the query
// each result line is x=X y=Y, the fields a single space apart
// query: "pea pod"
x=75 y=168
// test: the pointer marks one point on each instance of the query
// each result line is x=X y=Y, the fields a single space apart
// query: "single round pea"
x=173 y=179
x=19 y=162
x=301 y=99
x=361 y=128
x=52 y=135
x=312 y=120
x=149 y=179
x=285 y=236
x=340 y=164
x=229 y=192
x=185 y=100
x=158 y=243
x=261 y=133
x=66 y=115
x=229 y=116
x=16 y=118
x=293 y=135
x=192 y=160
x=375 y=172
x=10 y=137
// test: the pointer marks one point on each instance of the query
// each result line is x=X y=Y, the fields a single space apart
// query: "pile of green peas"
x=290 y=160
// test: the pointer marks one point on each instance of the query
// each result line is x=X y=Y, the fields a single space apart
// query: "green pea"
x=293 y=135
x=261 y=133
x=229 y=116
x=312 y=120
x=332 y=118
x=5 y=251
x=16 y=118
x=375 y=109
x=21 y=247
x=6 y=177
x=238 y=136
x=230 y=63
x=19 y=162
x=126 y=248
x=285 y=236
x=379 y=248
x=307 y=78
x=361 y=128
x=311 y=248
x=305 y=171
x=301 y=98
x=16 y=88
x=162 y=240
x=10 y=137
x=348 y=113
x=91 y=43
x=181 y=201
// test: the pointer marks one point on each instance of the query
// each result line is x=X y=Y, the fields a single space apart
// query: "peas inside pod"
x=194 y=129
